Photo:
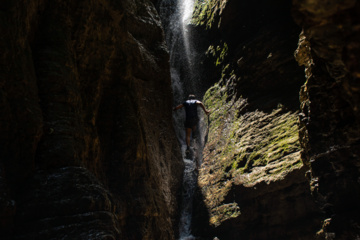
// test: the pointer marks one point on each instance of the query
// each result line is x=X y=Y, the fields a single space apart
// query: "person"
x=191 y=116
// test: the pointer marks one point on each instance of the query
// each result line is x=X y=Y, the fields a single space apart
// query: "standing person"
x=191 y=119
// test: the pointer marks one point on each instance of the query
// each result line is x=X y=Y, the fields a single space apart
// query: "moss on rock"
x=252 y=175
x=207 y=13
x=244 y=149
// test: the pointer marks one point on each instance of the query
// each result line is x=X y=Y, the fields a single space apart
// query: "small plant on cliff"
x=219 y=52
x=206 y=12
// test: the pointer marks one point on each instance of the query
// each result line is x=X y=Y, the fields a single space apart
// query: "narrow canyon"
x=91 y=149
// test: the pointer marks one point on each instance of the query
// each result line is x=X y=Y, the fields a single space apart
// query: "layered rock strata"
x=329 y=50
x=252 y=182
x=87 y=146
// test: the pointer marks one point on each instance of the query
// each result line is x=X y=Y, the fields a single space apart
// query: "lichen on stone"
x=244 y=149
x=208 y=12
x=218 y=52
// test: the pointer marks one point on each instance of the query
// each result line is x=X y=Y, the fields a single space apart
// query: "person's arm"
x=178 y=107
x=203 y=107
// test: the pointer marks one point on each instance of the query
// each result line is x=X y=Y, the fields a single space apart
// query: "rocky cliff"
x=87 y=146
x=329 y=130
x=253 y=183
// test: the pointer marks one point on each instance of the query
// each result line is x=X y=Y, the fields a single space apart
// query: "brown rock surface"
x=87 y=147
x=329 y=50
x=252 y=182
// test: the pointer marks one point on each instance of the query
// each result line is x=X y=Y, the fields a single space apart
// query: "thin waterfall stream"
x=176 y=16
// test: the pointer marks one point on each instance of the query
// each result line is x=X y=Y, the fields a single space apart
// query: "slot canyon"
x=91 y=149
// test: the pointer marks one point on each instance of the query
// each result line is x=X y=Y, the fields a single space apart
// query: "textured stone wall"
x=252 y=182
x=330 y=131
x=87 y=147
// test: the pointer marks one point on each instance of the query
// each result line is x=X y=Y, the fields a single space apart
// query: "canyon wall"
x=282 y=157
x=329 y=48
x=252 y=183
x=87 y=146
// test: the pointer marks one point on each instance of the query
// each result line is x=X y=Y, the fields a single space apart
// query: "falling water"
x=187 y=10
x=176 y=16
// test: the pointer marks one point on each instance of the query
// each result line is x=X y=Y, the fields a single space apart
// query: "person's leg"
x=188 y=134
x=193 y=131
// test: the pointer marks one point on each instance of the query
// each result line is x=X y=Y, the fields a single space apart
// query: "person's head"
x=191 y=96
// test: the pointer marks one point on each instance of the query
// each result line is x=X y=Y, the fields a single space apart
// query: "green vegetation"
x=266 y=139
x=244 y=146
x=280 y=139
x=253 y=139
x=207 y=12
x=224 y=212
x=219 y=52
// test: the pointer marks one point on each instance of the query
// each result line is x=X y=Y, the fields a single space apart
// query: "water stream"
x=176 y=16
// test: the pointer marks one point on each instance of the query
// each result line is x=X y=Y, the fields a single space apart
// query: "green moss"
x=239 y=140
x=264 y=140
x=238 y=143
x=219 y=53
x=277 y=141
x=224 y=212
x=207 y=12
x=203 y=14
x=216 y=102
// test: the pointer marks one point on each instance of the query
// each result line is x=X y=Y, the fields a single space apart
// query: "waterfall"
x=176 y=16
x=187 y=7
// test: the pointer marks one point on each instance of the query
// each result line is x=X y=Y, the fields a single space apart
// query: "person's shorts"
x=190 y=123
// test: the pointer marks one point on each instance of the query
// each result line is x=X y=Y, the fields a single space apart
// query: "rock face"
x=329 y=50
x=87 y=146
x=252 y=182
